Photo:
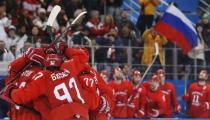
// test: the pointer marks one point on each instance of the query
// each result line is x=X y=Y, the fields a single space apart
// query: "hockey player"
x=36 y=57
x=105 y=107
x=137 y=100
x=170 y=95
x=198 y=97
x=122 y=90
x=65 y=95
x=104 y=74
x=155 y=100
x=103 y=112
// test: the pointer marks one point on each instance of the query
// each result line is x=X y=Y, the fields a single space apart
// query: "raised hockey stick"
x=72 y=24
x=53 y=15
x=153 y=61
x=130 y=99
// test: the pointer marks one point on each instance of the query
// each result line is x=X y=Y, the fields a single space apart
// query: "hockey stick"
x=53 y=15
x=56 y=9
x=153 y=61
x=147 y=70
x=72 y=24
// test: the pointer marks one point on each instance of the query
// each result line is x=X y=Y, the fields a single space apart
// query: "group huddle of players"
x=65 y=87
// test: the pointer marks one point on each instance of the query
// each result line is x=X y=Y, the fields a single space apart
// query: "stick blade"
x=156 y=49
x=78 y=17
x=53 y=14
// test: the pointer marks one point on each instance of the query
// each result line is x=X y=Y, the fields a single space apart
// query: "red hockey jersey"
x=155 y=102
x=136 y=102
x=171 y=100
x=198 y=101
x=103 y=90
x=121 y=92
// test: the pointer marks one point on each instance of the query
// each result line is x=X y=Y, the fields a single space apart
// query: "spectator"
x=124 y=19
x=23 y=37
x=4 y=21
x=25 y=47
x=102 y=49
x=80 y=38
x=62 y=19
x=11 y=54
x=126 y=72
x=129 y=40
x=147 y=14
x=206 y=36
x=114 y=8
x=2 y=49
x=12 y=37
x=94 y=25
x=206 y=15
x=198 y=52
x=70 y=6
x=41 y=20
x=149 y=37
x=30 y=7
x=108 y=22
x=35 y=36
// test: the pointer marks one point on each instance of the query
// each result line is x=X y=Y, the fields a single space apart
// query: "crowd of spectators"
x=107 y=27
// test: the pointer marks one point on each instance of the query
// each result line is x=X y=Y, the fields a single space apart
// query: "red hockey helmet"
x=53 y=60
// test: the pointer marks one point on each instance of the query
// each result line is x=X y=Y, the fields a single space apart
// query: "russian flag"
x=176 y=27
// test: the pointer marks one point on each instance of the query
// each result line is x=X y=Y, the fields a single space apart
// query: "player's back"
x=65 y=93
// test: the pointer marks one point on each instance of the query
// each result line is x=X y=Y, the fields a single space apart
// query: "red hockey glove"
x=35 y=55
x=139 y=114
x=154 y=113
x=104 y=105
x=62 y=47
x=205 y=106
x=8 y=89
x=185 y=98
x=177 y=109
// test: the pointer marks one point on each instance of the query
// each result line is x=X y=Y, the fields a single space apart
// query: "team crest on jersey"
x=52 y=62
